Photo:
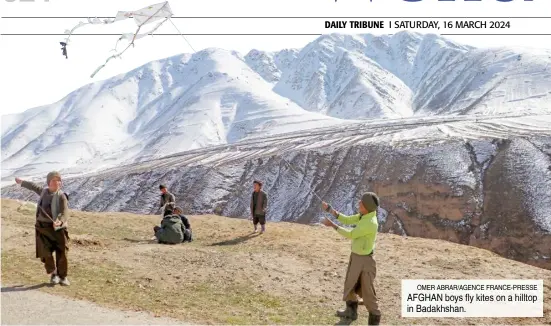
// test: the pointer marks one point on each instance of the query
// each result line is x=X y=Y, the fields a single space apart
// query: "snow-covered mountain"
x=406 y=74
x=168 y=106
x=482 y=181
x=217 y=97
x=271 y=65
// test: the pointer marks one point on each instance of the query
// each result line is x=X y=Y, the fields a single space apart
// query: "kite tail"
x=108 y=59
x=136 y=36
x=103 y=65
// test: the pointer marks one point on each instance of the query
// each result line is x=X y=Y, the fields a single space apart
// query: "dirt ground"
x=293 y=274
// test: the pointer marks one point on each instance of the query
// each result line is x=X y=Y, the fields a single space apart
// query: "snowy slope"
x=483 y=181
x=328 y=78
x=219 y=97
x=408 y=73
x=271 y=65
x=168 y=106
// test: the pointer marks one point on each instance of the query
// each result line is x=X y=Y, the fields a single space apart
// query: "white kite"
x=159 y=12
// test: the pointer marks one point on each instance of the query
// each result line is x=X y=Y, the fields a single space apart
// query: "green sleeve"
x=360 y=230
x=345 y=219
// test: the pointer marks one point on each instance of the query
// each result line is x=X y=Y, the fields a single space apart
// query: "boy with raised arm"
x=52 y=212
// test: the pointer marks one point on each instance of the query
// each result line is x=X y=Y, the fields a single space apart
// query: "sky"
x=33 y=71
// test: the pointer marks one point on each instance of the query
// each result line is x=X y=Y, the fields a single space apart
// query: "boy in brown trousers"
x=259 y=204
x=362 y=268
x=51 y=234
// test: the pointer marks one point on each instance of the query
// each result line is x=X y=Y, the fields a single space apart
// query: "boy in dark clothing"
x=168 y=200
x=188 y=235
x=259 y=204
x=51 y=232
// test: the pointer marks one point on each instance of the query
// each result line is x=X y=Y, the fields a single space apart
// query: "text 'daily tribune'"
x=472 y=298
x=511 y=25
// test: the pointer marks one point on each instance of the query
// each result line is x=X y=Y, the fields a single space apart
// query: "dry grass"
x=293 y=274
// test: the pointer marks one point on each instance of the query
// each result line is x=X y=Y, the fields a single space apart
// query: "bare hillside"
x=293 y=274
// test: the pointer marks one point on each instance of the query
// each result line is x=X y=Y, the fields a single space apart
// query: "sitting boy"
x=187 y=232
x=171 y=231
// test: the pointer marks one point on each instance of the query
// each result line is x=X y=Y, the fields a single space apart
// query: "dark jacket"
x=185 y=221
x=45 y=202
x=172 y=230
x=169 y=199
x=261 y=203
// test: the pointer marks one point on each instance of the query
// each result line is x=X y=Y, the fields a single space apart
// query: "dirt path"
x=27 y=305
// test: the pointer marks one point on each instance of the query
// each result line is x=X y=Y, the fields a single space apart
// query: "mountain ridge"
x=477 y=180
x=215 y=97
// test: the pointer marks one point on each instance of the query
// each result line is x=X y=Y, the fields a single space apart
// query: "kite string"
x=181 y=34
x=312 y=190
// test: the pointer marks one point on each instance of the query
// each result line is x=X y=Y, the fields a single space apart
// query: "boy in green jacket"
x=172 y=229
x=362 y=268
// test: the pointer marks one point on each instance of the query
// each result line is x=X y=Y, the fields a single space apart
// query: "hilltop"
x=293 y=274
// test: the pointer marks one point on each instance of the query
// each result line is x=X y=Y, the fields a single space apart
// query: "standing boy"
x=52 y=212
x=259 y=204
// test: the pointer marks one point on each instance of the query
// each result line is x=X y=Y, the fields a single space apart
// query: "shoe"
x=351 y=311
x=64 y=281
x=54 y=279
x=374 y=319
